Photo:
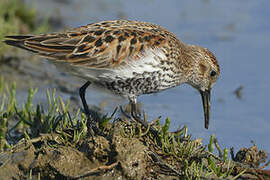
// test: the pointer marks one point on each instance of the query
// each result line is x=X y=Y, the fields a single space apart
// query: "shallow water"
x=237 y=32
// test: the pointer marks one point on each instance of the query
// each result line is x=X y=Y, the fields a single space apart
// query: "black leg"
x=82 y=95
x=92 y=117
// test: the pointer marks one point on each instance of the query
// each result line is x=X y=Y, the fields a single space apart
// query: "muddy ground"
x=113 y=156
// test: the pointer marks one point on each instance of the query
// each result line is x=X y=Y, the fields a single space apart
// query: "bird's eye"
x=213 y=73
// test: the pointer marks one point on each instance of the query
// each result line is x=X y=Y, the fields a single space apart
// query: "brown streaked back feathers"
x=99 y=45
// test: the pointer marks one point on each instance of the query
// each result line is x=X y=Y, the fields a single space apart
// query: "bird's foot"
x=124 y=112
x=92 y=123
x=128 y=113
x=137 y=117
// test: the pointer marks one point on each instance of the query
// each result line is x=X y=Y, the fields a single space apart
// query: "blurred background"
x=237 y=32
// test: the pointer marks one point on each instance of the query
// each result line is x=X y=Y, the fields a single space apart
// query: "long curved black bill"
x=206 y=106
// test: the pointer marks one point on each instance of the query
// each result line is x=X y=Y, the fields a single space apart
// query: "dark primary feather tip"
x=19 y=44
x=18 y=37
x=13 y=43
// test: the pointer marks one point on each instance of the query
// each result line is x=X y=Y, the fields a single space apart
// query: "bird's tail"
x=52 y=46
x=19 y=41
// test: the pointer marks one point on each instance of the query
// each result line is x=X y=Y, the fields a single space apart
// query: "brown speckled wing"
x=100 y=45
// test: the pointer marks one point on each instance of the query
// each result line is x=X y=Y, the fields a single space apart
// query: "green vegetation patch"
x=18 y=18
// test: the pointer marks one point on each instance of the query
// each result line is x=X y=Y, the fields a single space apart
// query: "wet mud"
x=110 y=156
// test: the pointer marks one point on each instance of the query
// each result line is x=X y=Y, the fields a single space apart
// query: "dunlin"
x=129 y=58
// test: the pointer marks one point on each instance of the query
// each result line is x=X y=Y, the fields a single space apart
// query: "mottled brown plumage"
x=129 y=58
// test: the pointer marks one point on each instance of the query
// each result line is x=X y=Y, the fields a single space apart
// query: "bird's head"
x=203 y=76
